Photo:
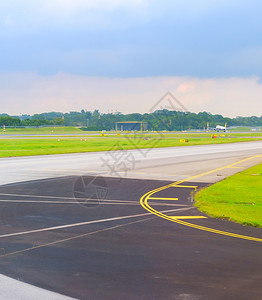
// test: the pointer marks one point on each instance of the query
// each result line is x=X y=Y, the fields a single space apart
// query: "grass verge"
x=41 y=146
x=237 y=198
x=73 y=130
x=43 y=130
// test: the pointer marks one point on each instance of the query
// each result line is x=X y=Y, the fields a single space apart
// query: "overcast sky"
x=64 y=55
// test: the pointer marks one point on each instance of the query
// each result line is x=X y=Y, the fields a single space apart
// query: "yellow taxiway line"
x=161 y=198
x=144 y=203
x=187 y=217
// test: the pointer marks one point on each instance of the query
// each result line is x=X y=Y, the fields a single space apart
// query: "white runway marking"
x=76 y=237
x=86 y=202
x=86 y=223
x=61 y=197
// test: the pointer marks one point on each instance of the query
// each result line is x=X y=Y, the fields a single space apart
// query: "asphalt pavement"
x=77 y=231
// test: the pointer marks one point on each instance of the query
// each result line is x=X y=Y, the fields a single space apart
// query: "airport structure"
x=130 y=126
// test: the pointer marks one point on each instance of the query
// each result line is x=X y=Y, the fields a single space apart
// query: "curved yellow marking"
x=144 y=203
x=188 y=217
x=161 y=198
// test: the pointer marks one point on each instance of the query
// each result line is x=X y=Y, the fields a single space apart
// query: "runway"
x=173 y=163
x=73 y=225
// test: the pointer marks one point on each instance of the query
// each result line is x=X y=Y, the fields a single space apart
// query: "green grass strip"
x=42 y=130
x=41 y=146
x=237 y=198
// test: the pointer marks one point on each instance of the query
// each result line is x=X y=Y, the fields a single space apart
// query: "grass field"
x=248 y=129
x=70 y=130
x=237 y=198
x=42 y=130
x=73 y=131
x=40 y=146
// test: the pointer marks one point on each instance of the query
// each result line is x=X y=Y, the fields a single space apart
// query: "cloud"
x=73 y=5
x=132 y=38
x=30 y=16
x=247 y=58
x=31 y=93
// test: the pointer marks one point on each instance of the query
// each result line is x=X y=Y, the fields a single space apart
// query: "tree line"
x=158 y=120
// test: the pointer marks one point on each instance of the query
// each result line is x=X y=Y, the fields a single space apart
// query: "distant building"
x=131 y=126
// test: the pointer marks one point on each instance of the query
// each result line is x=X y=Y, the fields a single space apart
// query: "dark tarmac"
x=120 y=250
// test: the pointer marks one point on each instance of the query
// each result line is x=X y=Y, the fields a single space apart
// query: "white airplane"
x=219 y=127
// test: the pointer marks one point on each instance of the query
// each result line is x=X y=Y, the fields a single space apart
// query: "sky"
x=124 y=55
